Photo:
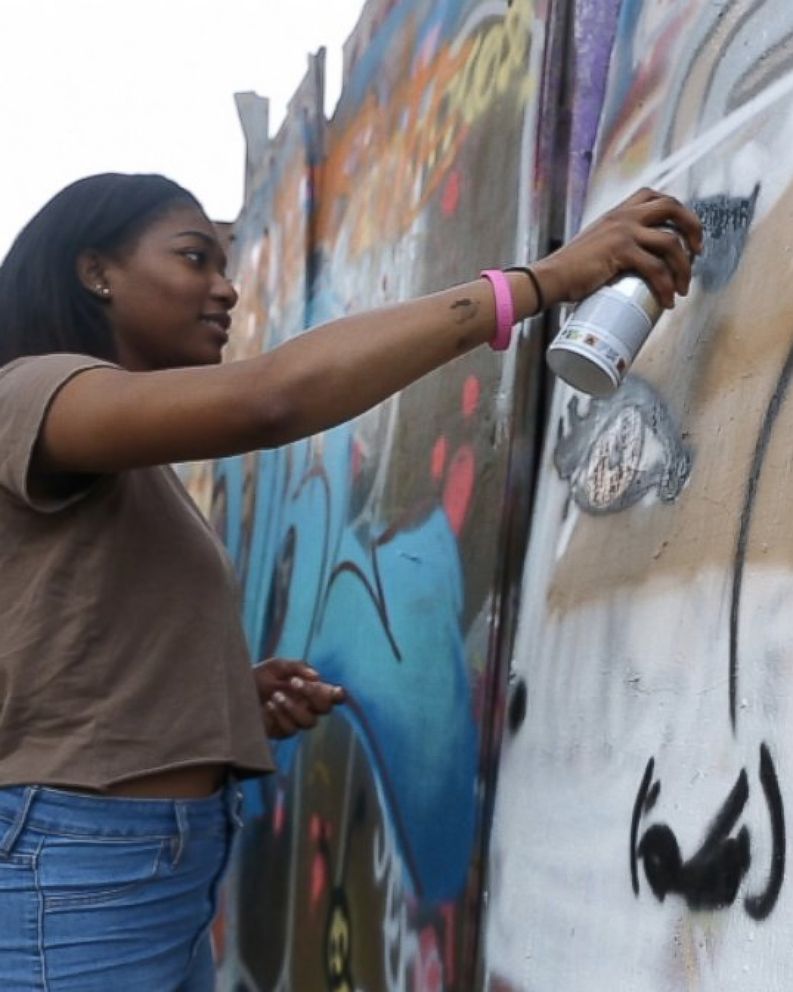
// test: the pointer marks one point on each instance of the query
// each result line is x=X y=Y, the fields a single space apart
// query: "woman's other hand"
x=629 y=238
x=292 y=696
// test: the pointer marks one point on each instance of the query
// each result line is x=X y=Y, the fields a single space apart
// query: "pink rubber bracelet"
x=505 y=308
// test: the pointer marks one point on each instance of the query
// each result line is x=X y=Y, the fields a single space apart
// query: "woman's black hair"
x=44 y=307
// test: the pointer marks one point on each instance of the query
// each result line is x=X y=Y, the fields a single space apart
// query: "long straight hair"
x=44 y=307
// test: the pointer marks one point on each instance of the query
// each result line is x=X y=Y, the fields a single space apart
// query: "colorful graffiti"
x=372 y=549
x=639 y=834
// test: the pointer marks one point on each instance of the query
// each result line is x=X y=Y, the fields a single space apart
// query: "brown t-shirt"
x=121 y=647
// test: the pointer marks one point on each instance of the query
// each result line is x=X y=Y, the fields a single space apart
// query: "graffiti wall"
x=373 y=550
x=622 y=685
x=646 y=781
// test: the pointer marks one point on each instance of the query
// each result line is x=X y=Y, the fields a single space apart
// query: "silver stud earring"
x=103 y=291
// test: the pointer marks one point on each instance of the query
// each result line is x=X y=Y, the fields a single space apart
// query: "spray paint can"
x=599 y=341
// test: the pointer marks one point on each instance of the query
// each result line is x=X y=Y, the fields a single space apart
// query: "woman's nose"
x=223 y=290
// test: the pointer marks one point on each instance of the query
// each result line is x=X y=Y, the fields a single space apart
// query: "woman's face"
x=169 y=298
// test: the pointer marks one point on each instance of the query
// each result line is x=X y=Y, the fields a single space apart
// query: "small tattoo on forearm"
x=468 y=309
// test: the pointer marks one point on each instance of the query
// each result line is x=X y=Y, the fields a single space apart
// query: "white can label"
x=609 y=324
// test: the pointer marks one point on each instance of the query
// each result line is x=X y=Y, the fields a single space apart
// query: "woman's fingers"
x=653 y=210
x=634 y=236
x=668 y=210
x=668 y=246
x=293 y=696
x=285 y=716
x=656 y=273
x=285 y=668
x=299 y=705
x=321 y=697
x=656 y=236
x=274 y=724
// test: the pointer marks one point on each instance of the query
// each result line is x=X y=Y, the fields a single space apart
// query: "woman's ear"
x=92 y=275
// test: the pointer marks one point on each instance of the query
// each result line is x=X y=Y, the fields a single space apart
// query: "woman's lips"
x=220 y=324
x=222 y=320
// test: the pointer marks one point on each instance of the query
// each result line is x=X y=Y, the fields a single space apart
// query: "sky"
x=148 y=86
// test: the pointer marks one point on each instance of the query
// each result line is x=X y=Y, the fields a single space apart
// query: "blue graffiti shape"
x=376 y=606
x=726 y=221
x=710 y=879
x=620 y=450
x=411 y=699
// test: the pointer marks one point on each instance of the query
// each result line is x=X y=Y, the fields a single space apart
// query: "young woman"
x=128 y=704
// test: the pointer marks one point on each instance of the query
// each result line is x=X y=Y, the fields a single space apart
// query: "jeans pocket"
x=83 y=872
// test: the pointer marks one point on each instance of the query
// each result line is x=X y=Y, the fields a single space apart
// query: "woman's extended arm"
x=106 y=420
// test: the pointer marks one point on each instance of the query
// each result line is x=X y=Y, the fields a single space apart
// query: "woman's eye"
x=195 y=256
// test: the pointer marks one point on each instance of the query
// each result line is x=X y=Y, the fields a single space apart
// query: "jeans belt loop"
x=18 y=824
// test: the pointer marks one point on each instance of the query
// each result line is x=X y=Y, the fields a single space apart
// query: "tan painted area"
x=716 y=365
x=692 y=97
x=773 y=64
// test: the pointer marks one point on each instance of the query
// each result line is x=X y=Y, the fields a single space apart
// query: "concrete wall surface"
x=639 y=836
x=564 y=764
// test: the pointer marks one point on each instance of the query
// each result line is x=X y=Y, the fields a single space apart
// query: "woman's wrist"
x=528 y=291
x=540 y=304
x=504 y=304
x=547 y=272
x=517 y=295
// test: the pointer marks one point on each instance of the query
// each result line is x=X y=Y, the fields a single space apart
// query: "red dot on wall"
x=459 y=487
x=438 y=462
x=471 y=393
x=319 y=879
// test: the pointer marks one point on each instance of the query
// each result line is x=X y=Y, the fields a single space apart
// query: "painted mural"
x=646 y=780
x=372 y=550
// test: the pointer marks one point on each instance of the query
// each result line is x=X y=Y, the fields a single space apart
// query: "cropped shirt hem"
x=240 y=770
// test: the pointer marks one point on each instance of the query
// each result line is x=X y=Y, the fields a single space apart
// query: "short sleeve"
x=27 y=388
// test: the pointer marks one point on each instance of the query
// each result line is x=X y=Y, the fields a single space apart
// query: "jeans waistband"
x=44 y=809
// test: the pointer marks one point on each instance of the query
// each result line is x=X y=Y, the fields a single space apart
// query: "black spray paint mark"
x=638 y=807
x=517 y=705
x=777 y=400
x=711 y=878
x=726 y=221
x=277 y=606
x=620 y=450
x=374 y=592
x=759 y=907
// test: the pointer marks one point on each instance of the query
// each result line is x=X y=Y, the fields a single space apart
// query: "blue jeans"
x=110 y=894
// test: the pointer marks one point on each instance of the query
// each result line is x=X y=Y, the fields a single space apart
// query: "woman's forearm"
x=346 y=366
